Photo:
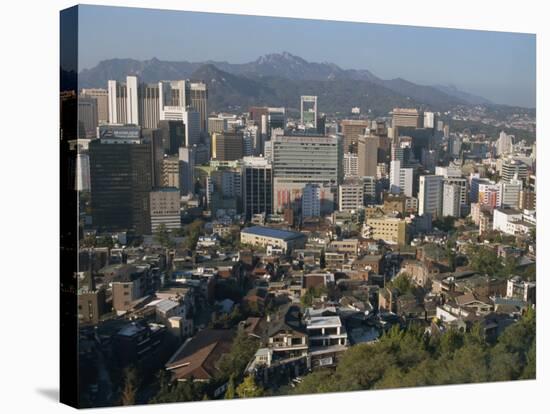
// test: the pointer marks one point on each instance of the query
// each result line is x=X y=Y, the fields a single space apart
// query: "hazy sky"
x=499 y=66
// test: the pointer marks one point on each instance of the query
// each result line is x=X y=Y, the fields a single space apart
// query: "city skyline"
x=478 y=63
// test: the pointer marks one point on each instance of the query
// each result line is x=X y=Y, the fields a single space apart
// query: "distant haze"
x=495 y=65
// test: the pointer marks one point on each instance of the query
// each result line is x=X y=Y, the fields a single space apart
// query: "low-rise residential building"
x=264 y=236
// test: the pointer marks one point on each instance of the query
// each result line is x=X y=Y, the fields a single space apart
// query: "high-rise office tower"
x=198 y=100
x=405 y=117
x=192 y=121
x=308 y=111
x=454 y=146
x=257 y=186
x=256 y=137
x=311 y=200
x=276 y=118
x=154 y=136
x=352 y=129
x=430 y=195
x=429 y=120
x=149 y=105
x=173 y=135
x=451 y=200
x=87 y=117
x=322 y=124
x=367 y=155
x=512 y=168
x=300 y=159
x=124 y=101
x=227 y=146
x=217 y=125
x=173 y=99
x=504 y=144
x=165 y=208
x=120 y=180
x=102 y=98
x=462 y=185
x=186 y=170
x=171 y=171
x=401 y=179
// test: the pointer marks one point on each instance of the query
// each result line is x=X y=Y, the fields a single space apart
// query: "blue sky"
x=499 y=66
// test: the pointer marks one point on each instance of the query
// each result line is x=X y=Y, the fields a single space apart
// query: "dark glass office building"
x=120 y=180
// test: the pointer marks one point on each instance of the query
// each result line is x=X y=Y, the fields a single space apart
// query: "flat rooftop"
x=270 y=232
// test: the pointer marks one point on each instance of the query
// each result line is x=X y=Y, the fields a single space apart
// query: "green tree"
x=249 y=389
x=162 y=237
x=485 y=261
x=230 y=392
x=403 y=283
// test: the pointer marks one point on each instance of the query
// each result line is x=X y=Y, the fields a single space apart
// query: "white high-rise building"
x=430 y=195
x=504 y=143
x=429 y=120
x=351 y=166
x=451 y=200
x=132 y=115
x=401 y=179
x=82 y=171
x=308 y=111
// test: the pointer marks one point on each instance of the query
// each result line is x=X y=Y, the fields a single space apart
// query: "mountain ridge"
x=281 y=75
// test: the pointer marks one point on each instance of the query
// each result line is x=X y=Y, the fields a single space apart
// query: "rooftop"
x=270 y=232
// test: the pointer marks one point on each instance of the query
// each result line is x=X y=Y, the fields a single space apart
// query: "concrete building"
x=227 y=146
x=217 y=125
x=389 y=229
x=102 y=98
x=451 y=200
x=405 y=117
x=198 y=100
x=351 y=165
x=350 y=195
x=401 y=179
x=514 y=169
x=510 y=192
x=351 y=130
x=369 y=189
x=165 y=208
x=302 y=159
x=87 y=117
x=367 y=155
x=171 y=172
x=308 y=112
x=430 y=195
x=266 y=236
